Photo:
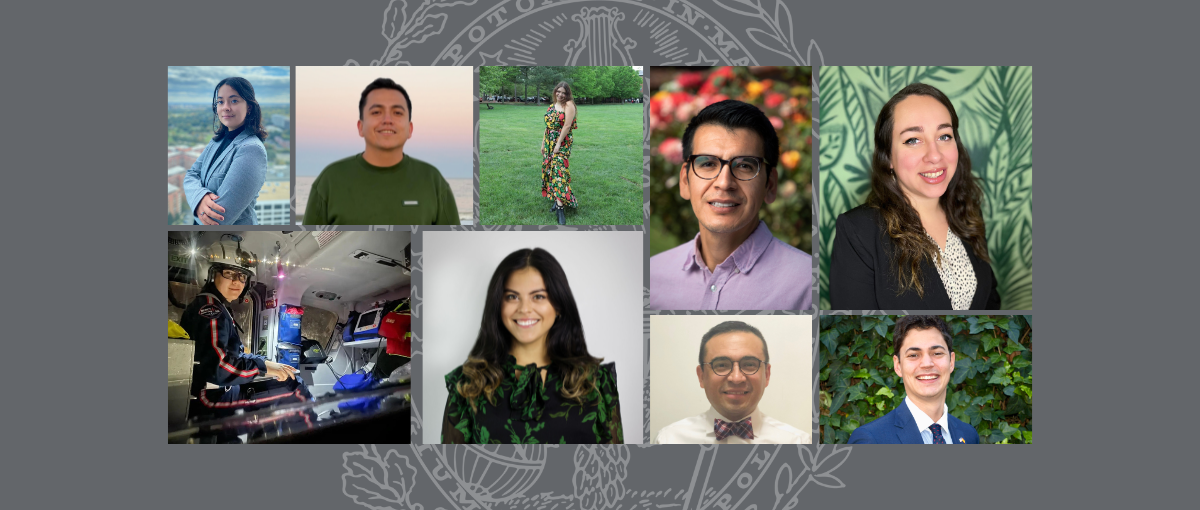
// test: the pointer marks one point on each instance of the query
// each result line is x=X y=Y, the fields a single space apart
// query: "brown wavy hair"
x=566 y=91
x=483 y=371
x=961 y=201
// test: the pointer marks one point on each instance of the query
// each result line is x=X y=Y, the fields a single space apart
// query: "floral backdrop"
x=679 y=93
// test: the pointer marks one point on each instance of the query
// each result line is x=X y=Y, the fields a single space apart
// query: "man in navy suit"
x=924 y=359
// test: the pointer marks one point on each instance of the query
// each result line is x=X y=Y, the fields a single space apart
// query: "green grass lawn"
x=606 y=166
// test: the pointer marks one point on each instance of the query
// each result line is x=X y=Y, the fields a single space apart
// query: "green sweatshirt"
x=354 y=192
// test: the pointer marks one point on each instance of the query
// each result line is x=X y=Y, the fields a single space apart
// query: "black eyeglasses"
x=235 y=275
x=744 y=168
x=724 y=366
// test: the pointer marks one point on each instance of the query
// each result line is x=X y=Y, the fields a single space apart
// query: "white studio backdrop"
x=675 y=392
x=604 y=270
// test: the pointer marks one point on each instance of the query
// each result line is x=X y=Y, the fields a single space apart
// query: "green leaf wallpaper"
x=995 y=111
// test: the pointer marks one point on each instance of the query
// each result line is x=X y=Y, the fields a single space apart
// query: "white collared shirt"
x=699 y=430
x=924 y=421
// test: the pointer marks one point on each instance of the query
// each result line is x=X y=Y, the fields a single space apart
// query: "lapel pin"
x=961 y=440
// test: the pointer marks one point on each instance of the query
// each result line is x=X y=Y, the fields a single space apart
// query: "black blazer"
x=861 y=275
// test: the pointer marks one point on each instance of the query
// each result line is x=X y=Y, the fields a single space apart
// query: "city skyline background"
x=194 y=84
x=327 y=118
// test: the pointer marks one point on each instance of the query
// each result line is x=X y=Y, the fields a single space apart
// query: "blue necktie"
x=937 y=434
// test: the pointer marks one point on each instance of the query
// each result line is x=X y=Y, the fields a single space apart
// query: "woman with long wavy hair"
x=918 y=243
x=529 y=378
x=223 y=185
x=556 y=151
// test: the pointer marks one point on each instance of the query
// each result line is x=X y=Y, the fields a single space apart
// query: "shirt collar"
x=744 y=257
x=924 y=421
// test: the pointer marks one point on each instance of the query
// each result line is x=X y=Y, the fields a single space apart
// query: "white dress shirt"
x=924 y=421
x=699 y=430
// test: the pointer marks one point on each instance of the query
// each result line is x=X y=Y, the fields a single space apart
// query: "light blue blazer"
x=236 y=177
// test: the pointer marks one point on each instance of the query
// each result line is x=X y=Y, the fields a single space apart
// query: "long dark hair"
x=961 y=201
x=565 y=344
x=253 y=122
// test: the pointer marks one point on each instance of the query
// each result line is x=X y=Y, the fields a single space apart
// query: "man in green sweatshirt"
x=382 y=185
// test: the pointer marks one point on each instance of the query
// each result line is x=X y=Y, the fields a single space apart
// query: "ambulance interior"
x=327 y=278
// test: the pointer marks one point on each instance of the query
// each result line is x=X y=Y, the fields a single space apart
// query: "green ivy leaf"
x=885 y=391
x=962 y=370
x=1010 y=390
x=999 y=377
x=990 y=342
x=830 y=340
x=838 y=400
x=1020 y=362
x=975 y=326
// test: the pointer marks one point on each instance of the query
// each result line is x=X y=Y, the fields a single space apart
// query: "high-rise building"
x=273 y=206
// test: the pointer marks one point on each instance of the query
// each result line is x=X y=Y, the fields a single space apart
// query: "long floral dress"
x=526 y=410
x=556 y=169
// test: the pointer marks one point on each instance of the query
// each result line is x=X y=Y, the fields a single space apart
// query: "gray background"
x=85 y=427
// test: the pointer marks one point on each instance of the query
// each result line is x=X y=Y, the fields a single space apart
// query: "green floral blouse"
x=527 y=412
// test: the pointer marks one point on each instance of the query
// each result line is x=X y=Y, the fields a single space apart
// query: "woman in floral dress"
x=556 y=151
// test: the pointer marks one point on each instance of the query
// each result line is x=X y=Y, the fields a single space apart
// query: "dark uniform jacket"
x=219 y=355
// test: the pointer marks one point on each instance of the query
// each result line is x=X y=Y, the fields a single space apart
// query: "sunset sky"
x=327 y=115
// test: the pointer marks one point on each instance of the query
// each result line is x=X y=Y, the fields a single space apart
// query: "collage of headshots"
x=550 y=254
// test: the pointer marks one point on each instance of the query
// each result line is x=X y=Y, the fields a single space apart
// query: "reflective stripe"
x=208 y=403
x=221 y=354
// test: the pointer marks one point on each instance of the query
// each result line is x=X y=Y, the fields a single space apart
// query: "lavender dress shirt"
x=763 y=273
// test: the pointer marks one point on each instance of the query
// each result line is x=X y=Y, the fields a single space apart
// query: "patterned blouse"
x=529 y=412
x=956 y=271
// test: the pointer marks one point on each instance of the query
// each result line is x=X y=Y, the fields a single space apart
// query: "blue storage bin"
x=289 y=357
x=289 y=324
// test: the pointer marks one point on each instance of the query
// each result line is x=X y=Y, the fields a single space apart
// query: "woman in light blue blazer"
x=223 y=184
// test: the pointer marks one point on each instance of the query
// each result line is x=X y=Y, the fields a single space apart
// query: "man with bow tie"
x=734 y=371
x=924 y=359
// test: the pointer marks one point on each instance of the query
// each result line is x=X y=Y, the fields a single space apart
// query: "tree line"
x=595 y=84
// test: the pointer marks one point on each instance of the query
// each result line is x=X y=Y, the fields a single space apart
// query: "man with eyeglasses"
x=221 y=361
x=923 y=357
x=729 y=171
x=734 y=371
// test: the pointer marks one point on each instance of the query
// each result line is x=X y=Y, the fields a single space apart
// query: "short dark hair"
x=729 y=327
x=383 y=83
x=733 y=114
x=918 y=322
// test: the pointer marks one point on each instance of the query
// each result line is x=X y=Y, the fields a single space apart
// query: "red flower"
x=566 y=163
x=690 y=80
x=562 y=117
x=774 y=99
x=671 y=149
x=724 y=72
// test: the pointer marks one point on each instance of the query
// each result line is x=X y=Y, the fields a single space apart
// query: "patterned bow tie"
x=743 y=429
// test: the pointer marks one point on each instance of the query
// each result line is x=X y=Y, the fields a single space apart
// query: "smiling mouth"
x=736 y=393
x=928 y=377
x=723 y=204
x=387 y=132
x=525 y=323
x=933 y=175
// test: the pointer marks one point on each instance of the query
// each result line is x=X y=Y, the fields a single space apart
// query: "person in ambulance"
x=225 y=377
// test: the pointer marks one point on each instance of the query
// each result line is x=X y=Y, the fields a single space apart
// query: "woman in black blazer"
x=918 y=243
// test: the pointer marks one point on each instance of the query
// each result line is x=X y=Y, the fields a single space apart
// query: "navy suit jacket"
x=899 y=427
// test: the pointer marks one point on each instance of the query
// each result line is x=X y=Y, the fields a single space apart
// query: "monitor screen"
x=368 y=320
